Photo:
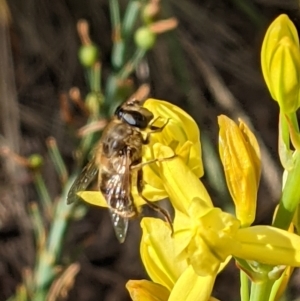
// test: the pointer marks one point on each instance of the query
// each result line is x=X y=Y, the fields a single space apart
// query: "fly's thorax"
x=114 y=138
x=135 y=144
x=120 y=138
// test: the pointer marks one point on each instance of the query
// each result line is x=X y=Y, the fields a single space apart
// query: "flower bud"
x=144 y=38
x=88 y=55
x=240 y=155
x=35 y=161
x=280 y=61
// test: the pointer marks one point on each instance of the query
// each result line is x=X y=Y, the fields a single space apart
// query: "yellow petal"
x=179 y=129
x=151 y=172
x=184 y=232
x=253 y=148
x=144 y=290
x=152 y=194
x=205 y=237
x=182 y=128
x=191 y=287
x=180 y=183
x=268 y=245
x=213 y=242
x=240 y=158
x=202 y=258
x=93 y=197
x=96 y=198
x=158 y=253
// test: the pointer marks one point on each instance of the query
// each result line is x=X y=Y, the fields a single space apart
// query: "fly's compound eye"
x=118 y=111
x=135 y=118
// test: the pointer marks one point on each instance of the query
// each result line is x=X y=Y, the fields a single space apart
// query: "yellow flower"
x=203 y=234
x=280 y=60
x=173 y=279
x=240 y=155
x=180 y=134
x=206 y=236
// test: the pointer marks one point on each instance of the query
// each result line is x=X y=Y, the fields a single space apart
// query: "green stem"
x=244 y=286
x=261 y=291
x=85 y=147
x=130 y=17
x=131 y=64
x=57 y=160
x=294 y=121
x=43 y=193
x=96 y=78
x=290 y=197
x=118 y=44
x=38 y=225
x=49 y=258
x=284 y=130
x=115 y=14
x=285 y=153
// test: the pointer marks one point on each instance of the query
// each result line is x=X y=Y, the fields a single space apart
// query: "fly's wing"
x=119 y=198
x=81 y=183
x=120 y=225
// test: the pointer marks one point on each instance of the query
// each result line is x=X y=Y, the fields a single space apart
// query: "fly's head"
x=134 y=114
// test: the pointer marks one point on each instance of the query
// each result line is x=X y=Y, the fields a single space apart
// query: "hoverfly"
x=118 y=152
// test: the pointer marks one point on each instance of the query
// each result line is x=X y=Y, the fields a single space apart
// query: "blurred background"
x=209 y=65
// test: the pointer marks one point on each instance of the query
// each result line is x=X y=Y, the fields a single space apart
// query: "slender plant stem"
x=43 y=193
x=244 y=286
x=115 y=15
x=261 y=291
x=38 y=225
x=117 y=56
x=130 y=17
x=49 y=258
x=131 y=64
x=57 y=160
x=294 y=121
x=290 y=197
x=96 y=78
x=284 y=129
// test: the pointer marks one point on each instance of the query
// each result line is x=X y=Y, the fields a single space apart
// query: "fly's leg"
x=139 y=166
x=142 y=164
x=153 y=129
x=165 y=213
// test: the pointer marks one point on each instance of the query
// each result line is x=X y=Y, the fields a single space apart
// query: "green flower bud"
x=280 y=60
x=144 y=38
x=35 y=161
x=88 y=55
